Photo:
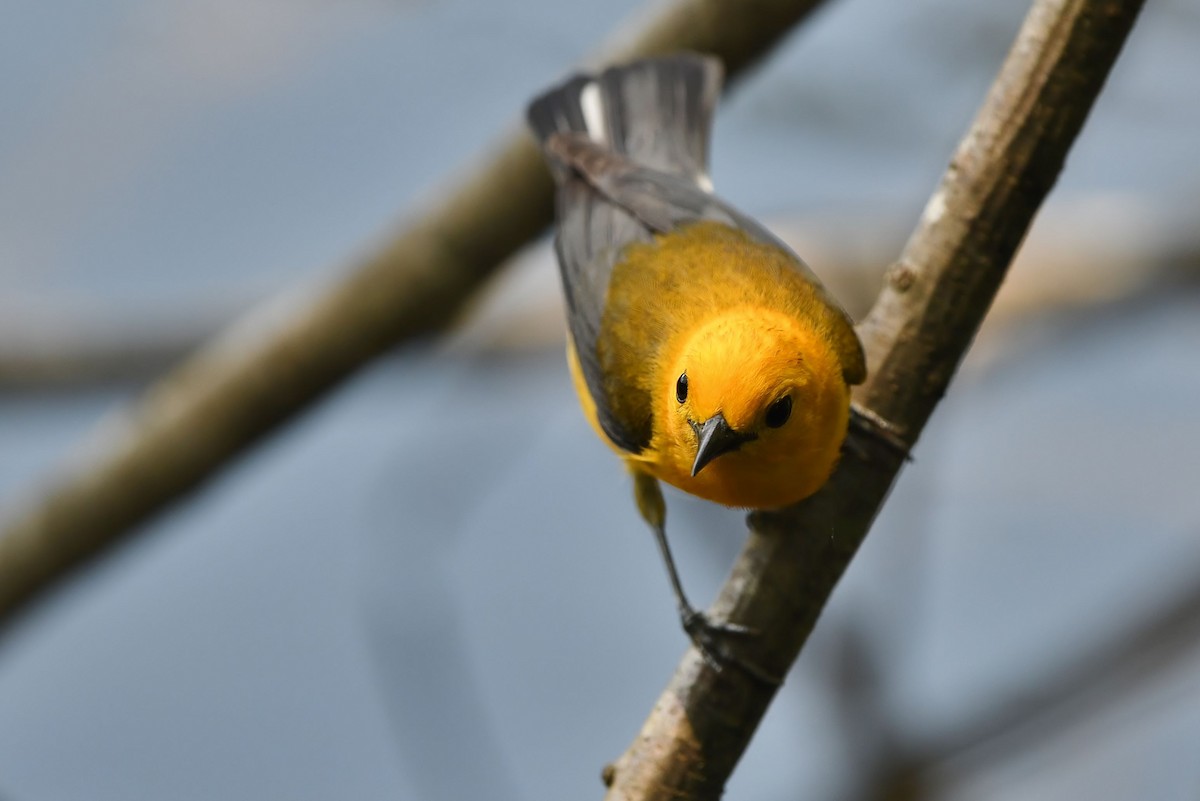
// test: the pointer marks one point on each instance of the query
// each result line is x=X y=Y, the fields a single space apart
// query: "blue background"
x=434 y=585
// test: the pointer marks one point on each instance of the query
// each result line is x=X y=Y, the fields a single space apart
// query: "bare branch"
x=933 y=301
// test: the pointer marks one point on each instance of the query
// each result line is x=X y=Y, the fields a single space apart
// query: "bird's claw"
x=710 y=637
x=697 y=624
x=871 y=424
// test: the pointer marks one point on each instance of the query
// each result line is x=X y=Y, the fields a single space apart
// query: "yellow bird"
x=704 y=351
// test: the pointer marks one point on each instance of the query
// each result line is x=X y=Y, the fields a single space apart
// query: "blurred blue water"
x=435 y=585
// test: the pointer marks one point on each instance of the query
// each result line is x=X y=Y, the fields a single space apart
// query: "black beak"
x=713 y=438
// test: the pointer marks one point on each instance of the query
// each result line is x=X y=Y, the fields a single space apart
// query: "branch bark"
x=932 y=303
x=255 y=377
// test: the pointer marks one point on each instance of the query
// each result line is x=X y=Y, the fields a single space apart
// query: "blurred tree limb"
x=258 y=375
x=1106 y=672
x=933 y=301
x=1120 y=669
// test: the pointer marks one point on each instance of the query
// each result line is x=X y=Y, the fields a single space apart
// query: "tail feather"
x=656 y=111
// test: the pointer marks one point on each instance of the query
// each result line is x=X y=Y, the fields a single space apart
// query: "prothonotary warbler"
x=704 y=351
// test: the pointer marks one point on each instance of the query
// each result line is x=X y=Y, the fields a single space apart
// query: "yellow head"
x=756 y=408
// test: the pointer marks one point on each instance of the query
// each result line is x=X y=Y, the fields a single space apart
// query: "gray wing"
x=654 y=112
x=592 y=233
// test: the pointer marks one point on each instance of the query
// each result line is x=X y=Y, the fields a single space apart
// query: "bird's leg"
x=706 y=634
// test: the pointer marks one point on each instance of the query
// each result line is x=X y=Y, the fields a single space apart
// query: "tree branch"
x=250 y=380
x=932 y=303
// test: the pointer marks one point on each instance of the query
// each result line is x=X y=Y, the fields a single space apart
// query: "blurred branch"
x=59 y=346
x=934 y=300
x=88 y=362
x=257 y=375
x=1023 y=719
x=1058 y=700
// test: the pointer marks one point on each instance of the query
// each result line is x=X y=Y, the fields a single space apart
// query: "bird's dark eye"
x=681 y=388
x=779 y=412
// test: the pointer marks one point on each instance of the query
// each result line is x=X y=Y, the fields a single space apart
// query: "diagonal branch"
x=255 y=377
x=933 y=301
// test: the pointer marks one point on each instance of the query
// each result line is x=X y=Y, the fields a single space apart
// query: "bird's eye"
x=779 y=412
x=681 y=388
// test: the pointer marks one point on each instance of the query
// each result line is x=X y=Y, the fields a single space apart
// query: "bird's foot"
x=711 y=639
x=867 y=422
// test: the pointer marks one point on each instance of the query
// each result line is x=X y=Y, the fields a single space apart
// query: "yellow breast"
x=738 y=317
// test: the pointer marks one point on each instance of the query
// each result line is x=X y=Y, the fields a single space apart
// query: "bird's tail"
x=657 y=111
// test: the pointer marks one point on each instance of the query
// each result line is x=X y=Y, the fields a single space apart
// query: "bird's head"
x=758 y=408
